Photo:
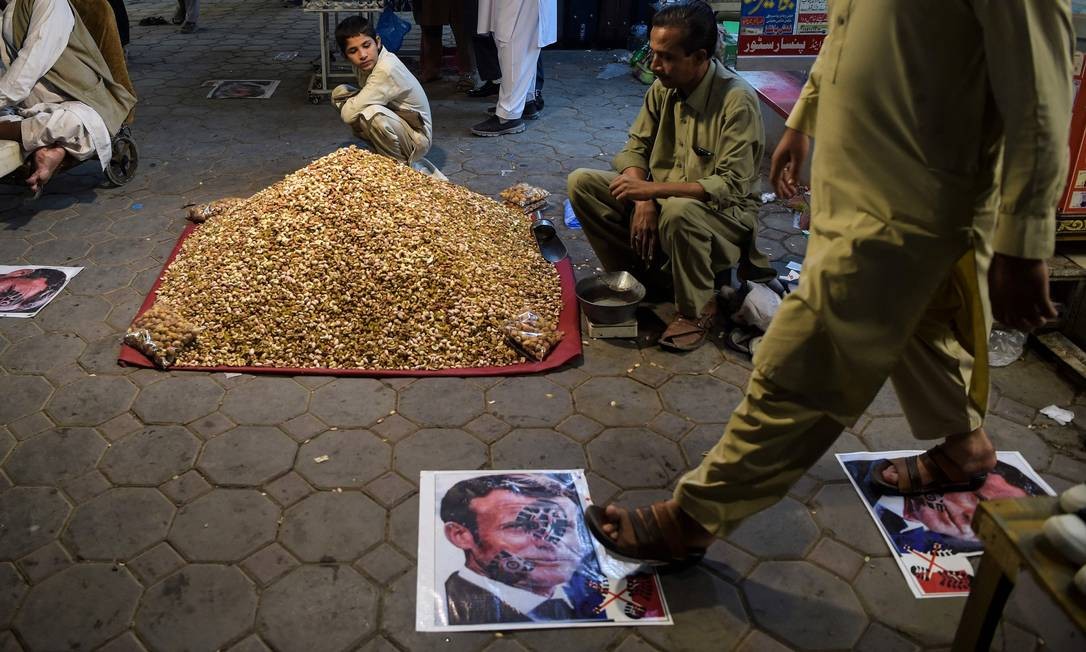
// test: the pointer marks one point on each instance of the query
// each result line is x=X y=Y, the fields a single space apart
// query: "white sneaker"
x=1073 y=499
x=426 y=167
x=1067 y=532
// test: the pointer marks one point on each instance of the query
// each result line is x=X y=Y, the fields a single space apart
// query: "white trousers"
x=518 y=57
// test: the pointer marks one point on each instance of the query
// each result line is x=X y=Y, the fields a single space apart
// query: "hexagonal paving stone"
x=224 y=525
x=328 y=527
x=827 y=468
x=79 y=608
x=889 y=600
x=1031 y=381
x=446 y=402
x=398 y=621
x=634 y=403
x=840 y=511
x=635 y=457
x=265 y=401
x=82 y=315
x=704 y=399
x=890 y=433
x=530 y=402
x=708 y=613
x=39 y=354
x=701 y=360
x=538 y=449
x=760 y=534
x=91 y=401
x=54 y=457
x=12 y=590
x=30 y=517
x=121 y=250
x=701 y=440
x=118 y=524
x=178 y=400
x=60 y=251
x=805 y=605
x=354 y=457
x=1007 y=435
x=459 y=450
x=318 y=608
x=23 y=395
x=352 y=402
x=201 y=607
x=247 y=456
x=151 y=456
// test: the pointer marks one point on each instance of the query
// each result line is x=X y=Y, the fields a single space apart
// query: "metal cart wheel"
x=125 y=159
x=314 y=98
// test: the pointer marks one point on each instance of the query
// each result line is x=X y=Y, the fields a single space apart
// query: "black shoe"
x=188 y=28
x=179 y=15
x=531 y=111
x=488 y=89
x=539 y=100
x=493 y=126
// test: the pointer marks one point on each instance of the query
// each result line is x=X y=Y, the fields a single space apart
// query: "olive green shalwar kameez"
x=941 y=131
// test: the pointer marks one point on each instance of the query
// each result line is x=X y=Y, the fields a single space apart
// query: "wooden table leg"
x=984 y=608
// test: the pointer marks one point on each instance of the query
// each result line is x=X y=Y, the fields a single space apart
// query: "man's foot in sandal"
x=661 y=534
x=961 y=463
x=685 y=334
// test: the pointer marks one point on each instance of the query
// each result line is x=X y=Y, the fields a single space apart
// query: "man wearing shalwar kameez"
x=941 y=131
x=57 y=96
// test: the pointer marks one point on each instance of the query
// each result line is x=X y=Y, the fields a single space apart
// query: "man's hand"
x=630 y=189
x=1018 y=288
x=789 y=158
x=643 y=229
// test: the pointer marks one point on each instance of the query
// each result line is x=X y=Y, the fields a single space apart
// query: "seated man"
x=57 y=95
x=389 y=110
x=681 y=208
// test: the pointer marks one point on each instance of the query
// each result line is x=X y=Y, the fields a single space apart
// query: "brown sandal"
x=655 y=538
x=942 y=468
x=685 y=334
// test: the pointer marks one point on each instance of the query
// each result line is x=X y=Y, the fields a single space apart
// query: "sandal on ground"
x=685 y=334
x=649 y=535
x=947 y=475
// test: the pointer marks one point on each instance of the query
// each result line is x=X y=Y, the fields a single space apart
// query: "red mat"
x=569 y=321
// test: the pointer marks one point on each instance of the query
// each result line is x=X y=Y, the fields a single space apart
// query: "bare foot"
x=693 y=534
x=972 y=452
x=46 y=162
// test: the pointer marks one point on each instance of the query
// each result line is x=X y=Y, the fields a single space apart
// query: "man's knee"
x=383 y=123
x=585 y=182
x=678 y=214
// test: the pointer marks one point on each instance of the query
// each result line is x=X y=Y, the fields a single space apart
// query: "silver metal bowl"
x=610 y=298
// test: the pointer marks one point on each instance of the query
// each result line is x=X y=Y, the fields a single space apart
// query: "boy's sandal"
x=947 y=475
x=650 y=535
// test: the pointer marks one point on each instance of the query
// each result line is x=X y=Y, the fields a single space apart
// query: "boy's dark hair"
x=353 y=26
x=696 y=19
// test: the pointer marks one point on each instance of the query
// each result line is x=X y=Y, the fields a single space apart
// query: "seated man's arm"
x=736 y=165
x=51 y=23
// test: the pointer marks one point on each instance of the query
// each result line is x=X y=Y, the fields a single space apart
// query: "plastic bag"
x=759 y=304
x=1005 y=346
x=391 y=28
x=203 y=212
x=524 y=197
x=532 y=335
x=161 y=334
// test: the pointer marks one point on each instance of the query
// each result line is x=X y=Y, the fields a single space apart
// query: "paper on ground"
x=1058 y=414
x=930 y=536
x=26 y=289
x=513 y=530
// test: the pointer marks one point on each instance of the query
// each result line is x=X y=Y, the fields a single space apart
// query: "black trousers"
x=486 y=60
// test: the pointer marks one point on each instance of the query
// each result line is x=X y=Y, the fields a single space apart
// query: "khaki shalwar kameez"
x=715 y=138
x=941 y=130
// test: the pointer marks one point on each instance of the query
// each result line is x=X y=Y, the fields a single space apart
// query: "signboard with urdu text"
x=781 y=34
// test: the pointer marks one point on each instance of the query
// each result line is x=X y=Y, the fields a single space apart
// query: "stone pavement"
x=162 y=511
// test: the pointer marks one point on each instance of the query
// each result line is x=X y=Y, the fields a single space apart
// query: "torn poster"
x=501 y=550
x=930 y=535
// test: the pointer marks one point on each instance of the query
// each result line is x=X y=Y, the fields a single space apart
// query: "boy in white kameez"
x=57 y=96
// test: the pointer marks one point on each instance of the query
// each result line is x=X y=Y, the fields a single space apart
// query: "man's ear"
x=378 y=40
x=459 y=536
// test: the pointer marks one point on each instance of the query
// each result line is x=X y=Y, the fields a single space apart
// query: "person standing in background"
x=521 y=28
x=432 y=16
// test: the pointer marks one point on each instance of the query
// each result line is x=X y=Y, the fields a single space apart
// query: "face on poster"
x=509 y=550
x=26 y=289
x=931 y=534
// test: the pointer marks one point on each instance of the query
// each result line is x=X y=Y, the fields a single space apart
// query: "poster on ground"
x=248 y=89
x=781 y=34
x=26 y=289
x=501 y=550
x=930 y=535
